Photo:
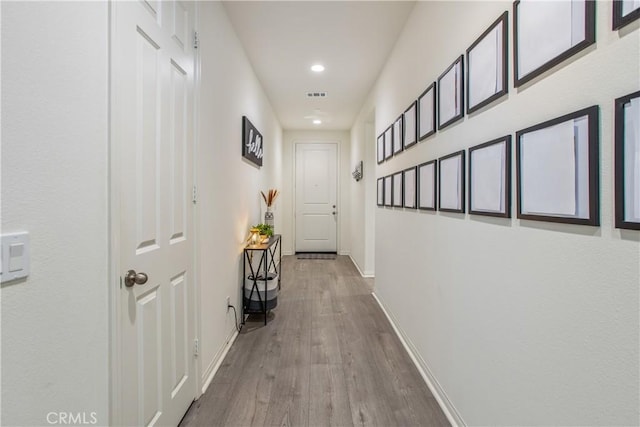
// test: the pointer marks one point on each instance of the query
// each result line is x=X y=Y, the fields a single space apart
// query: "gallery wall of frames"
x=556 y=161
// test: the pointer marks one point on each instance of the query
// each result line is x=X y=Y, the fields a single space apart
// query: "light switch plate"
x=15 y=256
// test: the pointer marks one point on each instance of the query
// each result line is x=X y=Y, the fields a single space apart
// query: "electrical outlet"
x=228 y=302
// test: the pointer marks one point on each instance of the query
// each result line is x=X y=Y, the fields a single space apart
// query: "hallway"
x=328 y=356
x=487 y=174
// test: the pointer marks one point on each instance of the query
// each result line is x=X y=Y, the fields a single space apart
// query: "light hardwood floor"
x=328 y=357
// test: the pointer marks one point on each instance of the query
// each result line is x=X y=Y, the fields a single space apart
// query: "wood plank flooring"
x=328 y=357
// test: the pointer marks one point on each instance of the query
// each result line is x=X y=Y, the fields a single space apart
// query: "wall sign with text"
x=251 y=142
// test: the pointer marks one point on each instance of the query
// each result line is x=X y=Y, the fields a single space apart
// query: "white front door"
x=316 y=202
x=152 y=151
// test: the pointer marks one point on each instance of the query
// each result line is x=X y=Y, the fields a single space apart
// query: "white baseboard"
x=367 y=275
x=217 y=361
x=447 y=407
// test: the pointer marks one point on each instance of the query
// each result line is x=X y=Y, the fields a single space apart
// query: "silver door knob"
x=133 y=278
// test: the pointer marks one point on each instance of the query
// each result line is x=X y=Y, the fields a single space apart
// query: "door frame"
x=338 y=145
x=114 y=230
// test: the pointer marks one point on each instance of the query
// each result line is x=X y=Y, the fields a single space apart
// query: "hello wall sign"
x=252 y=148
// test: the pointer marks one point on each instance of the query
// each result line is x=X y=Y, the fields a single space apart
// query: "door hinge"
x=194 y=195
x=196 y=40
x=196 y=347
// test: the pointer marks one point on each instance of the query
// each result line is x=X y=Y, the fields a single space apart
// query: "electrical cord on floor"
x=235 y=316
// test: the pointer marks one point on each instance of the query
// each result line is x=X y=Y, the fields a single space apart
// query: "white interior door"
x=316 y=202
x=152 y=143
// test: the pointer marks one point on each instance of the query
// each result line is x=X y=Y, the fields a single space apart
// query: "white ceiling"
x=352 y=39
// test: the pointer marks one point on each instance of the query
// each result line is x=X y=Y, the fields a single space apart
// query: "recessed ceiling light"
x=317 y=122
x=318 y=68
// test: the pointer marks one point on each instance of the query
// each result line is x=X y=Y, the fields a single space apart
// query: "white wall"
x=517 y=322
x=54 y=185
x=362 y=195
x=285 y=205
x=229 y=200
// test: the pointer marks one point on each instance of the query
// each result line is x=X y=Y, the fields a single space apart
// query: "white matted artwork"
x=397 y=136
x=557 y=164
x=451 y=182
x=397 y=189
x=388 y=190
x=451 y=94
x=548 y=32
x=409 y=190
x=388 y=143
x=627 y=161
x=427 y=189
x=490 y=178
x=380 y=193
x=427 y=112
x=380 y=149
x=625 y=12
x=409 y=125
x=487 y=66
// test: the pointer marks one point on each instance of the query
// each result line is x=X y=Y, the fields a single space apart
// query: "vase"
x=268 y=217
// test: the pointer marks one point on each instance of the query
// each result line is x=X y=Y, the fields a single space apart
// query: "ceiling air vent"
x=316 y=94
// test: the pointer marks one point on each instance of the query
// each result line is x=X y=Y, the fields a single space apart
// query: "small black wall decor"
x=251 y=142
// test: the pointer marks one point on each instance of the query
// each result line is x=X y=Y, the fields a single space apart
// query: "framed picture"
x=427 y=112
x=490 y=178
x=380 y=149
x=410 y=128
x=388 y=191
x=546 y=33
x=409 y=184
x=388 y=143
x=451 y=94
x=380 y=198
x=427 y=189
x=397 y=190
x=487 y=66
x=557 y=169
x=627 y=161
x=625 y=12
x=252 y=149
x=451 y=179
x=398 y=142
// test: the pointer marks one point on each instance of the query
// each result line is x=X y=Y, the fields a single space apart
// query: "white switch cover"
x=15 y=256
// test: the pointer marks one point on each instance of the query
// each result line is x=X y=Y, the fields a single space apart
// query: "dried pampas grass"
x=270 y=197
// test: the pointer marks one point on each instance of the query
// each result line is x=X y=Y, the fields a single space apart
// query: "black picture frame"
x=388 y=191
x=427 y=112
x=398 y=135
x=410 y=188
x=504 y=187
x=428 y=185
x=380 y=148
x=398 y=190
x=545 y=28
x=380 y=192
x=620 y=20
x=410 y=125
x=547 y=176
x=388 y=143
x=474 y=75
x=454 y=72
x=443 y=181
x=621 y=179
x=252 y=144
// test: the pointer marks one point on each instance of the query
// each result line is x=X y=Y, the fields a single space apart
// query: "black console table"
x=261 y=277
